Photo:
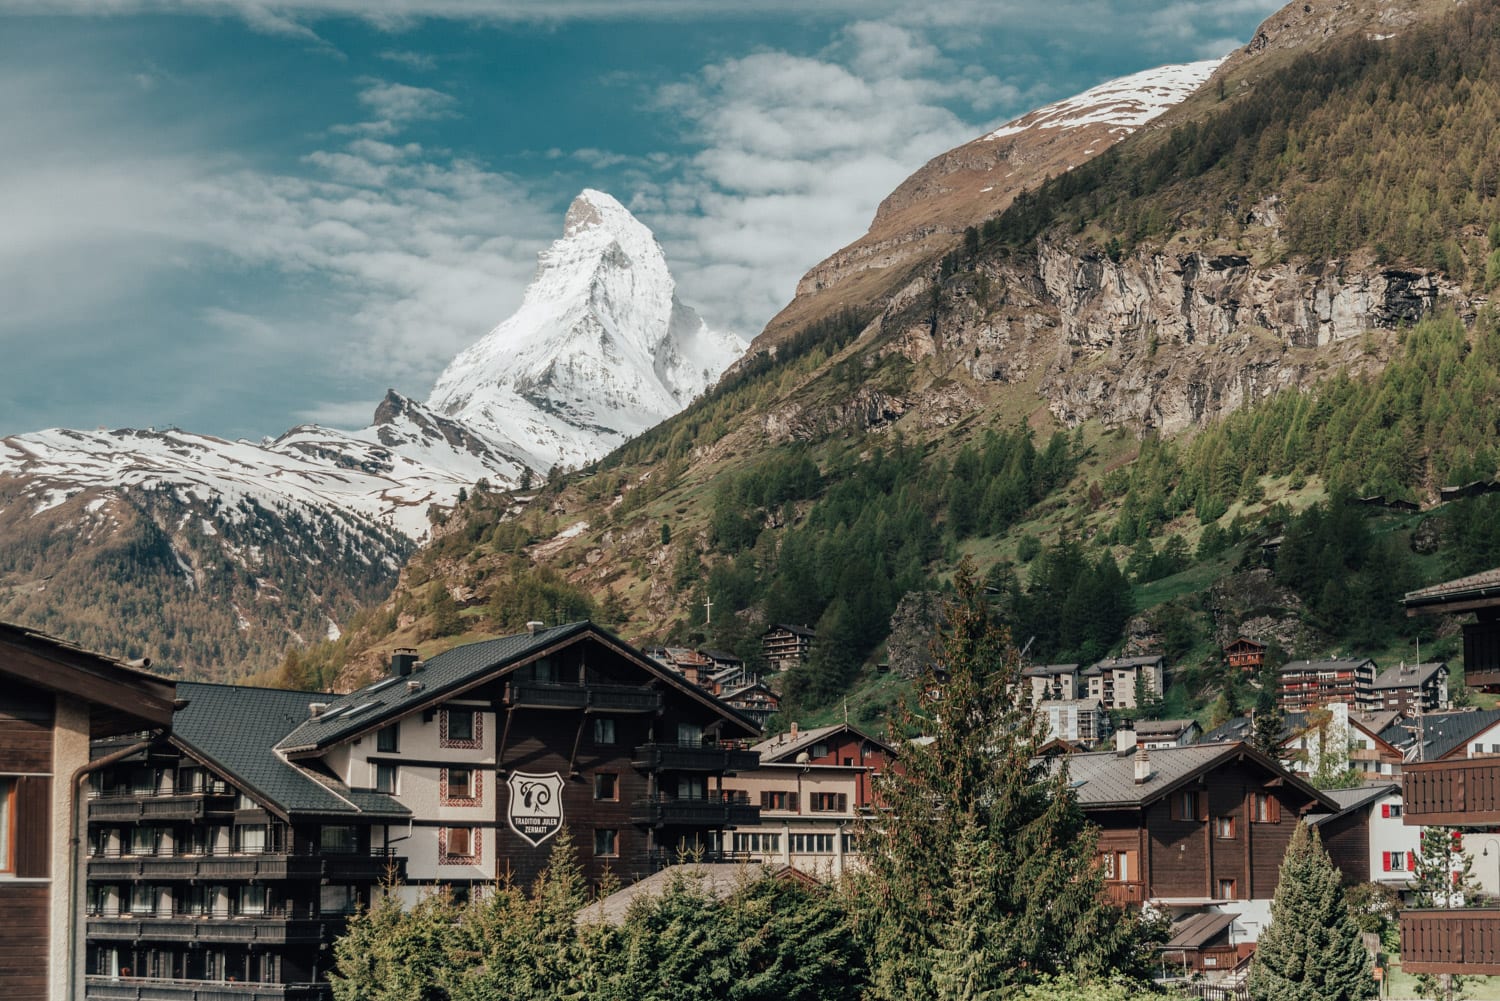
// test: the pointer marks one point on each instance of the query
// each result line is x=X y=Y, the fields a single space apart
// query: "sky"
x=235 y=216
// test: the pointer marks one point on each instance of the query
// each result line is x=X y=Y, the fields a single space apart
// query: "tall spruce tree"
x=1266 y=724
x=983 y=841
x=1312 y=949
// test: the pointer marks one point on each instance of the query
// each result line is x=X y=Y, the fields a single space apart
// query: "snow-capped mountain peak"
x=1124 y=104
x=600 y=350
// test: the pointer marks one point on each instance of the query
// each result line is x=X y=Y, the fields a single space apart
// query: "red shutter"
x=1385 y=860
x=1411 y=861
x=1385 y=809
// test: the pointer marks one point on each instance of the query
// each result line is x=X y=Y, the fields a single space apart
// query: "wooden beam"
x=90 y=683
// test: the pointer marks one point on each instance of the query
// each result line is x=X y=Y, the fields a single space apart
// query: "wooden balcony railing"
x=1461 y=940
x=1124 y=892
x=265 y=866
x=694 y=758
x=100 y=988
x=1455 y=793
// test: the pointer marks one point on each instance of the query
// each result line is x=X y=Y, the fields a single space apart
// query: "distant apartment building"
x=1114 y=682
x=1078 y=721
x=1312 y=684
x=1052 y=681
x=786 y=646
x=1412 y=688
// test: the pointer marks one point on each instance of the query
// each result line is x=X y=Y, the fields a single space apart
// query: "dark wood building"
x=54 y=698
x=1246 y=655
x=1478 y=593
x=786 y=646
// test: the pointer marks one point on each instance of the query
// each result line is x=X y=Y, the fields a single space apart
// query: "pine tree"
x=1266 y=724
x=390 y=953
x=978 y=790
x=1312 y=949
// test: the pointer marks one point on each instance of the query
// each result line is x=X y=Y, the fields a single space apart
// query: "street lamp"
x=1485 y=853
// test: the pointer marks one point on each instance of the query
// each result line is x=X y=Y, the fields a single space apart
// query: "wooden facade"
x=26 y=722
x=1464 y=940
x=786 y=646
x=1454 y=792
x=1246 y=655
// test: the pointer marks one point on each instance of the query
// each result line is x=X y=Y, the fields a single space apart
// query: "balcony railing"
x=99 y=988
x=694 y=758
x=266 y=929
x=603 y=698
x=1459 y=792
x=723 y=811
x=179 y=806
x=1124 y=892
x=1462 y=940
x=266 y=866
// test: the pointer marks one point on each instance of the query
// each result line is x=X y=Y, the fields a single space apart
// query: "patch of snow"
x=94 y=505
x=1126 y=103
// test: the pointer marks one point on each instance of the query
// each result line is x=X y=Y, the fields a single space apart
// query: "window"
x=1264 y=809
x=458 y=845
x=1390 y=809
x=818 y=751
x=386 y=777
x=338 y=898
x=252 y=840
x=830 y=802
x=460 y=783
x=606 y=786
x=745 y=842
x=339 y=839
x=387 y=739
x=606 y=842
x=1185 y=805
x=691 y=787
x=460 y=728
x=253 y=900
x=778 y=800
x=143 y=841
x=604 y=730
x=1224 y=827
x=143 y=899
x=1224 y=890
x=689 y=734
x=812 y=844
x=7 y=825
x=1398 y=861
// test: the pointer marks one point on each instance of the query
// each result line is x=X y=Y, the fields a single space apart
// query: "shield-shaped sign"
x=536 y=808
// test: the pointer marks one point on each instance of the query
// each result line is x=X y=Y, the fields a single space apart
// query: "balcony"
x=724 y=811
x=598 y=698
x=268 y=929
x=263 y=867
x=1459 y=792
x=150 y=989
x=694 y=758
x=1122 y=892
x=183 y=806
x=1465 y=940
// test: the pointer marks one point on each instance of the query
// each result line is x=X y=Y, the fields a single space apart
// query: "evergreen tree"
x=390 y=953
x=978 y=790
x=1266 y=724
x=1312 y=950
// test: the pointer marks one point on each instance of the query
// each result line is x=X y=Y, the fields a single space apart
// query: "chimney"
x=1124 y=741
x=315 y=709
x=413 y=685
x=533 y=626
x=794 y=731
x=401 y=661
x=1142 y=767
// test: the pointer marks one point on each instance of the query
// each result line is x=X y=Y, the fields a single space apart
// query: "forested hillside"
x=836 y=481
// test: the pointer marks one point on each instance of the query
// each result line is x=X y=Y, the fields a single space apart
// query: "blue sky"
x=235 y=216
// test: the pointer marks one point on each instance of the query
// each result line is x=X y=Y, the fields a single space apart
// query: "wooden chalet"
x=1194 y=828
x=1372 y=751
x=54 y=699
x=1480 y=594
x=756 y=701
x=1246 y=655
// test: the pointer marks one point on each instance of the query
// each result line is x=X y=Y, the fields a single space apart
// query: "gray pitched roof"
x=234 y=729
x=1113 y=662
x=1353 y=799
x=1163 y=727
x=1408 y=675
x=1105 y=779
x=460 y=668
x=1194 y=931
x=783 y=748
x=1049 y=670
x=1339 y=664
x=1442 y=733
x=1485 y=584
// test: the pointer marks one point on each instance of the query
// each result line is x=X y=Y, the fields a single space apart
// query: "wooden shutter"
x=791 y=802
x=843 y=802
x=1273 y=808
x=1411 y=861
x=33 y=826
x=1385 y=861
x=1202 y=804
x=1385 y=809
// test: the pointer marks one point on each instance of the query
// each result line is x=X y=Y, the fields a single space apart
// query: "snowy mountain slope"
x=600 y=350
x=1123 y=105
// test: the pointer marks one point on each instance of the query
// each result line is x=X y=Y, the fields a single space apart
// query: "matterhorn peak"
x=600 y=350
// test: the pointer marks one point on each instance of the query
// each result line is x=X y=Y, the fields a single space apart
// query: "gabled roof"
x=1408 y=675
x=753 y=686
x=464 y=667
x=234 y=729
x=1194 y=931
x=783 y=748
x=796 y=630
x=1340 y=664
x=1353 y=799
x=722 y=657
x=1049 y=670
x=1163 y=727
x=1106 y=780
x=1112 y=662
x=1294 y=723
x=1238 y=640
x=121 y=698
x=1483 y=587
x=1442 y=733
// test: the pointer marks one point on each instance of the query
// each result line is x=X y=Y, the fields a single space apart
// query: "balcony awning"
x=1195 y=931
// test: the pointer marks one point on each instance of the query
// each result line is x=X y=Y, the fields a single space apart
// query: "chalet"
x=1365 y=837
x=812 y=787
x=1079 y=721
x=1440 y=736
x=1310 y=684
x=1052 y=681
x=214 y=863
x=1114 y=682
x=1413 y=688
x=1194 y=829
x=696 y=667
x=755 y=701
x=54 y=699
x=1154 y=733
x=1371 y=752
x=786 y=646
x=1478 y=593
x=1246 y=654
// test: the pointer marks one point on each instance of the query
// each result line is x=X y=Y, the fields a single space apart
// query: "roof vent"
x=315 y=709
x=533 y=626
x=401 y=661
x=413 y=685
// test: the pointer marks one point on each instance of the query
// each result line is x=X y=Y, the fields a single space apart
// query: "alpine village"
x=1086 y=587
